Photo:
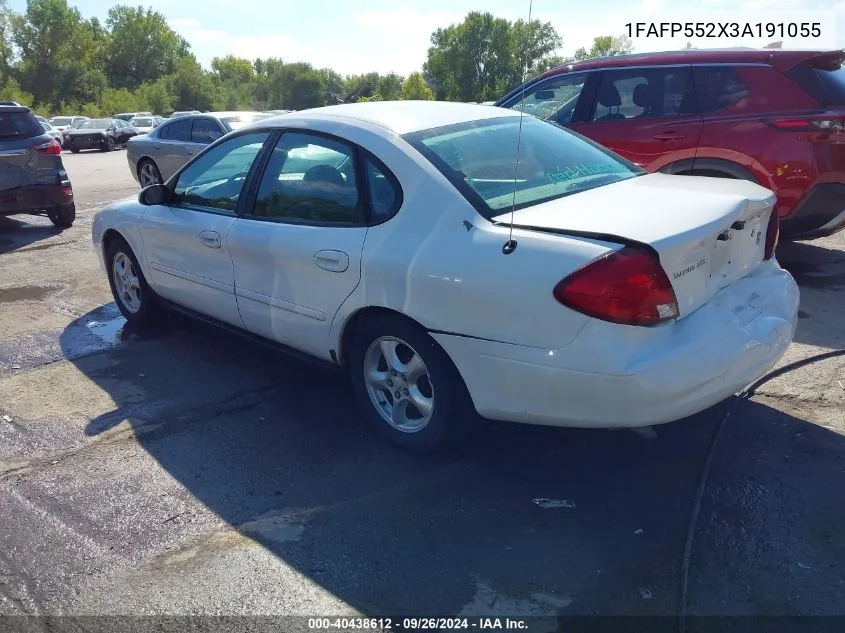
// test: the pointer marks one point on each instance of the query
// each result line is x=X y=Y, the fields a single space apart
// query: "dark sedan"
x=101 y=134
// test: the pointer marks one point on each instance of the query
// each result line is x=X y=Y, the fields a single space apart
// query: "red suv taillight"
x=772 y=235
x=807 y=125
x=52 y=147
x=628 y=286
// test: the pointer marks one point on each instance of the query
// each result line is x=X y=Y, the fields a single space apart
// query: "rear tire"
x=133 y=296
x=407 y=386
x=108 y=146
x=148 y=173
x=62 y=216
x=73 y=148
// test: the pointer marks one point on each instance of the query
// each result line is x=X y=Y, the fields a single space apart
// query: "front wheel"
x=108 y=146
x=62 y=216
x=407 y=386
x=133 y=296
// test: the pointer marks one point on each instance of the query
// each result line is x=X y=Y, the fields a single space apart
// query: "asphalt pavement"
x=180 y=470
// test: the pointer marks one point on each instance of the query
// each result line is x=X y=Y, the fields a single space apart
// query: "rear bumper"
x=821 y=212
x=614 y=376
x=34 y=198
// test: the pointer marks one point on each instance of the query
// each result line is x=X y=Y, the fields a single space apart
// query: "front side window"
x=479 y=158
x=205 y=131
x=554 y=99
x=646 y=93
x=309 y=179
x=215 y=180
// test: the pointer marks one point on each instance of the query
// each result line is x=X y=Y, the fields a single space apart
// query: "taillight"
x=628 y=286
x=52 y=147
x=807 y=125
x=772 y=235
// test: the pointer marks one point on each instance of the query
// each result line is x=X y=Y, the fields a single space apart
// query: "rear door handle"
x=210 y=239
x=669 y=136
x=331 y=260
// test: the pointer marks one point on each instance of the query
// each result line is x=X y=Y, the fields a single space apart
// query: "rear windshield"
x=236 y=122
x=95 y=124
x=60 y=120
x=19 y=125
x=479 y=158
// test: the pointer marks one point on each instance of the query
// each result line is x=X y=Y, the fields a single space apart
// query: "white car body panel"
x=523 y=356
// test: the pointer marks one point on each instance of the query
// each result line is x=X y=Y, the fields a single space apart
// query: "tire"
x=62 y=216
x=73 y=148
x=108 y=146
x=148 y=173
x=440 y=385
x=145 y=307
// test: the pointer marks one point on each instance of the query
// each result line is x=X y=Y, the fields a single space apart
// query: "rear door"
x=648 y=115
x=171 y=151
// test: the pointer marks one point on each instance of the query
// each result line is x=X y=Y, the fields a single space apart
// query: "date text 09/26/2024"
x=724 y=29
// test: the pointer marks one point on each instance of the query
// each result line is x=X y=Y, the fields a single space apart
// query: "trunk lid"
x=708 y=232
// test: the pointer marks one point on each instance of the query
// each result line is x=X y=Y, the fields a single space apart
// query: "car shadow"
x=22 y=230
x=820 y=273
x=521 y=521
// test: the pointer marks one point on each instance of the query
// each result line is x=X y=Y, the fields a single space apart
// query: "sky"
x=394 y=35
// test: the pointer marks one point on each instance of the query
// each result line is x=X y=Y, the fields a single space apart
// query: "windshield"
x=143 y=122
x=95 y=124
x=236 y=122
x=479 y=158
x=60 y=120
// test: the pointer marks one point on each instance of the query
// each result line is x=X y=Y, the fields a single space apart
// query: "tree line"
x=57 y=61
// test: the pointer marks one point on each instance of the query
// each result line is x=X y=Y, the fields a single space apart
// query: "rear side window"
x=645 y=93
x=177 y=131
x=19 y=124
x=824 y=81
x=205 y=131
x=718 y=88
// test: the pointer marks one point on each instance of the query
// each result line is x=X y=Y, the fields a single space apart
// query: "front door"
x=297 y=254
x=649 y=115
x=186 y=240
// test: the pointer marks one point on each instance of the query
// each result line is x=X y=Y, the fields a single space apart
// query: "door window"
x=385 y=195
x=215 y=180
x=554 y=99
x=719 y=88
x=645 y=93
x=309 y=179
x=177 y=131
x=205 y=131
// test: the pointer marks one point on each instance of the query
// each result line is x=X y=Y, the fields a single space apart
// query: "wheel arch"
x=347 y=330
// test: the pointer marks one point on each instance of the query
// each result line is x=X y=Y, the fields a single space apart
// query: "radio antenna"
x=510 y=245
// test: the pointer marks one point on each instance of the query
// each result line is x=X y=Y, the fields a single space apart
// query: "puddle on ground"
x=28 y=293
x=111 y=331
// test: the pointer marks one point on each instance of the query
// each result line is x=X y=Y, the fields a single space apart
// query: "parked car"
x=384 y=238
x=773 y=117
x=128 y=116
x=102 y=134
x=33 y=179
x=145 y=124
x=156 y=156
x=56 y=134
x=40 y=118
x=183 y=113
x=65 y=123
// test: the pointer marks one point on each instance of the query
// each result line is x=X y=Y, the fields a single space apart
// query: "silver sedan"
x=155 y=157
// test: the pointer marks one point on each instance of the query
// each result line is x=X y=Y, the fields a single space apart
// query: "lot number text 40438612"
x=724 y=29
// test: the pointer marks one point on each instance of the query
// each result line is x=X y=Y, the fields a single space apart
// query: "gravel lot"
x=183 y=471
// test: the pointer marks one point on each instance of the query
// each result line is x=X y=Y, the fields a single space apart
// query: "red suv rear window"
x=822 y=78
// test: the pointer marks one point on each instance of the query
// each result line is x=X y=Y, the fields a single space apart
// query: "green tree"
x=610 y=46
x=6 y=52
x=142 y=48
x=296 y=87
x=190 y=86
x=156 y=97
x=233 y=70
x=389 y=87
x=334 y=84
x=478 y=59
x=415 y=88
x=116 y=100
x=358 y=86
x=11 y=91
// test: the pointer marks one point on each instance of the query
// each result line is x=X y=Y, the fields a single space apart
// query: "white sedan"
x=403 y=242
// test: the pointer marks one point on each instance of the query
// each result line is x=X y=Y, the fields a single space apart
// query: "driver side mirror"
x=154 y=194
x=544 y=95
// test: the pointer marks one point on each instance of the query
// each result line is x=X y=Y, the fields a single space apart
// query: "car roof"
x=782 y=58
x=401 y=117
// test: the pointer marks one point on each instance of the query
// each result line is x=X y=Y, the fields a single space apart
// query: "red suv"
x=775 y=117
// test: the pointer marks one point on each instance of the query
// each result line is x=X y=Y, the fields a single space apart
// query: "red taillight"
x=52 y=147
x=772 y=235
x=628 y=286
x=807 y=125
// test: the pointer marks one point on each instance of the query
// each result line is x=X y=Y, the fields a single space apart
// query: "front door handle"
x=210 y=239
x=669 y=136
x=331 y=260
